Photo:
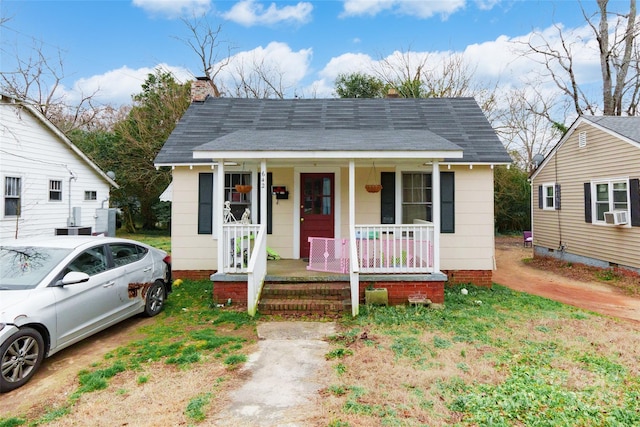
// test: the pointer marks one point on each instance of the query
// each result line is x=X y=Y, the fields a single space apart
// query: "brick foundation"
x=399 y=292
x=192 y=274
x=475 y=277
x=237 y=291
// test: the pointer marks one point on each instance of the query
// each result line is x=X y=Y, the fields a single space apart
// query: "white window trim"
x=337 y=225
x=20 y=195
x=594 y=193
x=49 y=190
x=253 y=196
x=545 y=206
x=399 y=171
x=84 y=195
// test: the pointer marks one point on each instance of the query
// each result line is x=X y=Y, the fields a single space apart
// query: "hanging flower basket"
x=373 y=185
x=373 y=188
x=243 y=188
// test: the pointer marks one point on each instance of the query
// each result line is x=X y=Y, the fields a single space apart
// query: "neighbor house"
x=586 y=197
x=394 y=193
x=49 y=185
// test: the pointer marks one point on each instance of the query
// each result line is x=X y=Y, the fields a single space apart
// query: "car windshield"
x=24 y=267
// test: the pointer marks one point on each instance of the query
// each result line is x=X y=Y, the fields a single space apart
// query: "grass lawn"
x=160 y=239
x=493 y=357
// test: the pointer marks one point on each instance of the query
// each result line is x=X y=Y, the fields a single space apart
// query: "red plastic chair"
x=527 y=238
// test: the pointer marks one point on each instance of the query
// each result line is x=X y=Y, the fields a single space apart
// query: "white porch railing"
x=406 y=248
x=257 y=270
x=238 y=241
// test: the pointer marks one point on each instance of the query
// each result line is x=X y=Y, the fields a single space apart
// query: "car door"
x=85 y=308
x=136 y=273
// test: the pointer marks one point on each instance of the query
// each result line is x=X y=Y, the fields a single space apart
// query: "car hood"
x=10 y=300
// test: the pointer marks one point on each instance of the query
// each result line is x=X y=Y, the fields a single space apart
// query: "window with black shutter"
x=205 y=203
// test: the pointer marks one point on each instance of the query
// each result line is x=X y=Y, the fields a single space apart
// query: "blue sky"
x=111 y=46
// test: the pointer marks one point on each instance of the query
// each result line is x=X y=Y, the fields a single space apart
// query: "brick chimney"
x=392 y=93
x=200 y=89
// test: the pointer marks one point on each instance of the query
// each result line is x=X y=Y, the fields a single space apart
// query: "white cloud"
x=346 y=64
x=116 y=87
x=418 y=8
x=284 y=67
x=486 y=4
x=174 y=8
x=251 y=12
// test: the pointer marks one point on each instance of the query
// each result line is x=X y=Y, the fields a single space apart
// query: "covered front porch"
x=403 y=258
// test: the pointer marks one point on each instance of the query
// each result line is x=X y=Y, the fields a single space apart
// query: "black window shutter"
x=587 y=202
x=447 y=202
x=556 y=194
x=205 y=203
x=634 y=192
x=540 y=197
x=388 y=198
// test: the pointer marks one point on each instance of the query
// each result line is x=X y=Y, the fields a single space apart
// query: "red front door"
x=316 y=209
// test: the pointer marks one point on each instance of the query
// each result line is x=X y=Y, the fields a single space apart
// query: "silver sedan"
x=56 y=291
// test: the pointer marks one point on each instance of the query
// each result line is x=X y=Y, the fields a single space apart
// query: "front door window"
x=316 y=209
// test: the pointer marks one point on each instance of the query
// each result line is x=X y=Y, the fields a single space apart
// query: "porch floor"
x=297 y=269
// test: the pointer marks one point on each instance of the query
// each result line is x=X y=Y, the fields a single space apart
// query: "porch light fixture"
x=373 y=186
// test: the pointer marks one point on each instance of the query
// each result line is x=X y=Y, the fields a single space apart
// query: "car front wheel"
x=20 y=358
x=155 y=299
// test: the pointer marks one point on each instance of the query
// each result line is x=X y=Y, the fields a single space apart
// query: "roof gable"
x=381 y=125
x=6 y=100
x=623 y=128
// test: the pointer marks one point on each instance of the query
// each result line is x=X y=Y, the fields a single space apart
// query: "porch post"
x=264 y=192
x=352 y=195
x=354 y=269
x=435 y=185
x=218 y=206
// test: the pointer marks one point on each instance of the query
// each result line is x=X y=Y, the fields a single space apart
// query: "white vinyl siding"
x=38 y=155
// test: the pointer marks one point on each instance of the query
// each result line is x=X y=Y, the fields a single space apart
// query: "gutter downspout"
x=70 y=221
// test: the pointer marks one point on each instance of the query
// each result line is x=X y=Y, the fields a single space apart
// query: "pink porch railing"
x=380 y=249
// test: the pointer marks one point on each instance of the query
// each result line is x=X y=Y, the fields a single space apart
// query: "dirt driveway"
x=58 y=375
x=595 y=296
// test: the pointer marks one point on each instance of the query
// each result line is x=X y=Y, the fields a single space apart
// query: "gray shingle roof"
x=389 y=124
x=626 y=126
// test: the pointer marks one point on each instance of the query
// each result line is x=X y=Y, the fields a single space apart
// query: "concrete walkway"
x=284 y=376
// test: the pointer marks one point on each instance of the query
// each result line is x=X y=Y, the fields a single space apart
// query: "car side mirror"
x=73 y=277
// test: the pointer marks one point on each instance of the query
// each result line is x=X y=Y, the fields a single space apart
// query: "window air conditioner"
x=616 y=217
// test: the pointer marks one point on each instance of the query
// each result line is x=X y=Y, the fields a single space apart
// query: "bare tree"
x=37 y=80
x=525 y=124
x=417 y=75
x=617 y=57
x=403 y=71
x=205 y=41
x=259 y=80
